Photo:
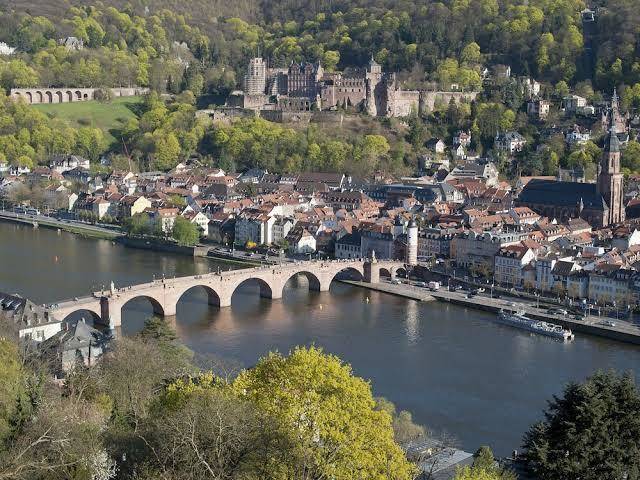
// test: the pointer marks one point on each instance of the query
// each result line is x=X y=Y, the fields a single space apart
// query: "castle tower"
x=412 y=243
x=610 y=180
x=373 y=77
x=255 y=80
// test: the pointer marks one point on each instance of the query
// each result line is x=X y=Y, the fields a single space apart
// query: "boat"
x=520 y=320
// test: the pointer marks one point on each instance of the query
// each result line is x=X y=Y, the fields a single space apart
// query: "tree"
x=185 y=232
x=631 y=156
x=138 y=224
x=404 y=430
x=201 y=430
x=590 y=432
x=328 y=414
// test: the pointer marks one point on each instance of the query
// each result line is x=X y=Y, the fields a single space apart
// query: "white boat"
x=520 y=320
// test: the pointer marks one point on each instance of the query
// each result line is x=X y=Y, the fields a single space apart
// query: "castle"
x=305 y=87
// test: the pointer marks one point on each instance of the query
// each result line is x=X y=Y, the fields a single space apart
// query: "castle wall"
x=429 y=99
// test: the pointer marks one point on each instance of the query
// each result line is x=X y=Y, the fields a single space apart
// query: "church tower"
x=610 y=180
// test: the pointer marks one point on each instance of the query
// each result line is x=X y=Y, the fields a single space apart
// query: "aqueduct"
x=164 y=294
x=39 y=95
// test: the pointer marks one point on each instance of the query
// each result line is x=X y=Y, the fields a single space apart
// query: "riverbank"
x=591 y=325
x=77 y=228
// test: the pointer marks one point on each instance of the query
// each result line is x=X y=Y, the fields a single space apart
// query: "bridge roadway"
x=164 y=294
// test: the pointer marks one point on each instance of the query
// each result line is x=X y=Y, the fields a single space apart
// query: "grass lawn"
x=109 y=117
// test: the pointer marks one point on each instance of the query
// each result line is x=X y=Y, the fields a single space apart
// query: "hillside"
x=199 y=12
x=109 y=117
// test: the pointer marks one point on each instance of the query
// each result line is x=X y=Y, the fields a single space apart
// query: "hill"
x=109 y=117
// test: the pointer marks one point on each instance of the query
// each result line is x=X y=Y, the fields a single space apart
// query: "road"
x=61 y=224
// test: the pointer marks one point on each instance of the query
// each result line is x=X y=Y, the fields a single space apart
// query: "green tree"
x=631 y=157
x=185 y=232
x=329 y=415
x=590 y=432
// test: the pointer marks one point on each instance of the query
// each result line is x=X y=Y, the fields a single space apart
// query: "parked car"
x=609 y=323
x=557 y=311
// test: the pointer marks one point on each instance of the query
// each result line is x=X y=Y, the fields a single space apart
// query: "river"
x=453 y=368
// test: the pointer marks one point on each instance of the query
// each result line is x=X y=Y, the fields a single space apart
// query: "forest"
x=169 y=45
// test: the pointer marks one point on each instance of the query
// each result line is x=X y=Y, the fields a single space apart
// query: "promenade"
x=622 y=331
x=67 y=225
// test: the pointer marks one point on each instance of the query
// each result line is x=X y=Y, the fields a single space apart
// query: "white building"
x=509 y=264
x=510 y=142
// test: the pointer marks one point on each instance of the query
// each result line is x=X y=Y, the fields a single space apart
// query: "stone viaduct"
x=164 y=294
x=35 y=96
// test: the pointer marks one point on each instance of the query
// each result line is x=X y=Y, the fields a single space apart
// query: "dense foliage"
x=591 y=432
x=448 y=40
x=147 y=412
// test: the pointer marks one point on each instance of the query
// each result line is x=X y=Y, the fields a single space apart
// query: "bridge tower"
x=371 y=270
x=412 y=243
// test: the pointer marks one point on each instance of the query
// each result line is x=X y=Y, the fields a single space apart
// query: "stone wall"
x=428 y=99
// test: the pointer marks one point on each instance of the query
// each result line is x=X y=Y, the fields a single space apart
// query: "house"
x=509 y=264
x=510 y=142
x=71 y=43
x=301 y=241
x=478 y=250
x=131 y=205
x=281 y=228
x=436 y=145
x=331 y=181
x=435 y=242
x=458 y=152
x=462 y=137
x=254 y=225
x=475 y=170
x=524 y=216
x=253 y=175
x=531 y=87
x=63 y=163
x=78 y=345
x=165 y=217
x=501 y=71
x=571 y=104
x=538 y=108
x=577 y=136
x=200 y=220
x=348 y=246
x=31 y=321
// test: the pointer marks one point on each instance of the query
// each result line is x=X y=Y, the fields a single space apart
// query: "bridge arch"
x=386 y=272
x=314 y=282
x=59 y=96
x=78 y=95
x=29 y=97
x=265 y=289
x=155 y=304
x=69 y=95
x=212 y=296
x=49 y=96
x=86 y=313
x=399 y=272
x=350 y=273
x=39 y=96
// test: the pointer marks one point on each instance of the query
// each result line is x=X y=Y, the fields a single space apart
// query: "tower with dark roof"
x=610 y=180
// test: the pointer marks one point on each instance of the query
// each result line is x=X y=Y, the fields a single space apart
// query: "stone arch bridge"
x=164 y=294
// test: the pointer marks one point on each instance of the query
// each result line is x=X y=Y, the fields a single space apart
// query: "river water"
x=453 y=368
